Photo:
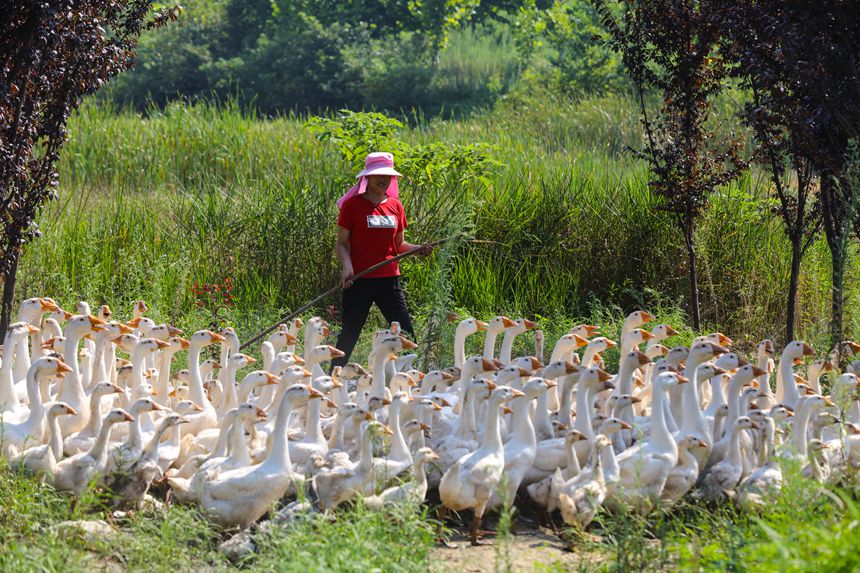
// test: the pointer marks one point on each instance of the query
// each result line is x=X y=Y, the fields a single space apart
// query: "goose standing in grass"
x=725 y=476
x=412 y=492
x=43 y=459
x=30 y=432
x=75 y=472
x=241 y=496
x=580 y=502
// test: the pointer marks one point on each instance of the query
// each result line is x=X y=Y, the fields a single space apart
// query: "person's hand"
x=346 y=278
x=425 y=249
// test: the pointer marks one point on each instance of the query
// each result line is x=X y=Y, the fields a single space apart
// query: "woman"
x=370 y=229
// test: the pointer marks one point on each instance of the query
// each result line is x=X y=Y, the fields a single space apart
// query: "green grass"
x=198 y=193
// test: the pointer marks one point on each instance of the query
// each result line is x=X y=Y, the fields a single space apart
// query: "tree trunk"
x=793 y=284
x=8 y=295
x=834 y=215
x=694 y=279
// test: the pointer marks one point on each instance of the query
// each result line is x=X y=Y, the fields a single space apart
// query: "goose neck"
x=399 y=449
x=524 y=432
x=280 y=455
x=55 y=437
x=492 y=435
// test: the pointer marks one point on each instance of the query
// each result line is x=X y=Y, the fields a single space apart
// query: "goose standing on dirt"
x=470 y=482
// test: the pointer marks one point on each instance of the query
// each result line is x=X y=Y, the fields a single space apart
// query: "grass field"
x=563 y=225
x=564 y=228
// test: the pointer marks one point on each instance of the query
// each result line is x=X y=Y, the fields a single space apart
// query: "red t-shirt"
x=371 y=233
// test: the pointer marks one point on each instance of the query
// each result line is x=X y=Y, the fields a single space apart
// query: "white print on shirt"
x=381 y=222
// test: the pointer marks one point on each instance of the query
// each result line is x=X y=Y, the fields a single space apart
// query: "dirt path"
x=528 y=549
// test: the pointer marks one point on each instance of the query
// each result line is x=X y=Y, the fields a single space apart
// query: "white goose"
x=240 y=497
x=470 y=482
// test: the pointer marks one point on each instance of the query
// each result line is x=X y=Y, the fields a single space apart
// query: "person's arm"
x=403 y=246
x=342 y=250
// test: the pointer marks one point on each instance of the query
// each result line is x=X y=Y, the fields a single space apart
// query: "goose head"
x=730 y=361
x=250 y=413
x=475 y=365
x=535 y=387
x=186 y=407
x=203 y=338
x=31 y=309
x=797 y=349
x=594 y=379
x=612 y=425
x=118 y=415
x=425 y=406
x=502 y=395
x=781 y=413
x=143 y=324
x=259 y=378
x=707 y=371
x=126 y=342
x=745 y=374
x=470 y=326
x=401 y=382
x=115 y=329
x=436 y=378
x=600 y=344
x=138 y=309
x=656 y=350
x=163 y=332
x=142 y=405
x=16 y=332
x=425 y=455
x=61 y=409
x=50 y=367
x=84 y=324
x=820 y=367
x=584 y=331
x=499 y=324
x=376 y=403
x=765 y=349
x=559 y=368
x=705 y=350
x=677 y=357
x=573 y=436
x=282 y=338
x=148 y=346
x=299 y=394
x=637 y=318
x=745 y=423
x=619 y=402
x=352 y=370
x=511 y=375
x=662 y=332
x=238 y=361
x=636 y=337
x=635 y=359
x=209 y=365
x=104 y=313
x=323 y=353
x=105 y=389
x=171 y=420
x=690 y=443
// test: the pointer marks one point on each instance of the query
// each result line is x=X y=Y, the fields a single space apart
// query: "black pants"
x=388 y=295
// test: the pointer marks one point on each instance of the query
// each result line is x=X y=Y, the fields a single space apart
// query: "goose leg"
x=474 y=530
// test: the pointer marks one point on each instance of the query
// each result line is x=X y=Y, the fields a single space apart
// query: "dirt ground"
x=530 y=548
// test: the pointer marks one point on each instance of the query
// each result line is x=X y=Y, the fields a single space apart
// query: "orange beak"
x=507 y=322
x=488 y=366
x=530 y=325
x=807 y=350
x=481 y=325
x=62 y=367
x=647 y=317
x=536 y=363
x=407 y=344
x=215 y=337
x=671 y=331
x=611 y=343
x=603 y=375
x=491 y=385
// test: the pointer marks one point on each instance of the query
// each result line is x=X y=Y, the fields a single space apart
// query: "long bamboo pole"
x=333 y=290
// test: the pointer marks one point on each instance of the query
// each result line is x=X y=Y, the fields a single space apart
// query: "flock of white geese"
x=489 y=430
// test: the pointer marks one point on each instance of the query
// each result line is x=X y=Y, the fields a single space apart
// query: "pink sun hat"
x=376 y=163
